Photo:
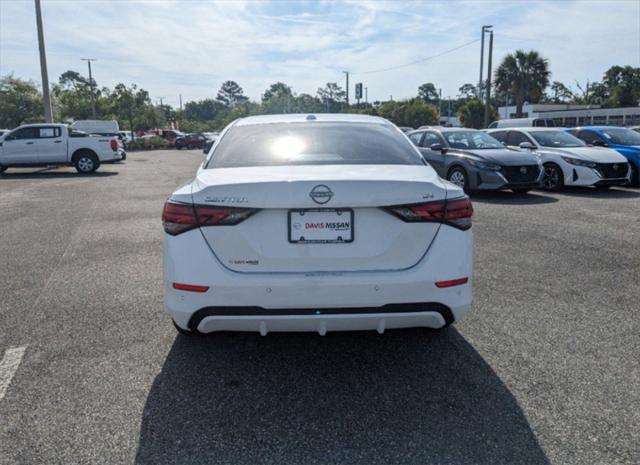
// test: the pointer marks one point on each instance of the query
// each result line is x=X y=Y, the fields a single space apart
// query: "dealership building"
x=569 y=115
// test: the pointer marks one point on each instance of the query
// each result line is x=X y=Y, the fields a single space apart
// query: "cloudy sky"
x=191 y=47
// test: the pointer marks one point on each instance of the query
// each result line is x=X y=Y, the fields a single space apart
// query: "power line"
x=418 y=61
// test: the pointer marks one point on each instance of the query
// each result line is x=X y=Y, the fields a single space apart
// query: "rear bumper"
x=115 y=157
x=318 y=302
x=428 y=315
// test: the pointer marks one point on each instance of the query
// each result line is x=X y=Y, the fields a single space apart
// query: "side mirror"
x=599 y=143
x=527 y=146
x=437 y=147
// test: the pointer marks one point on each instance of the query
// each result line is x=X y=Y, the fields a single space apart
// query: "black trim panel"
x=612 y=182
x=426 y=307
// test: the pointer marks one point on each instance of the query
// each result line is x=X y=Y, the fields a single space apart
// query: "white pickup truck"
x=56 y=144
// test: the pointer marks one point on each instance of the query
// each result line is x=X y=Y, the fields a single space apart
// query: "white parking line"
x=8 y=367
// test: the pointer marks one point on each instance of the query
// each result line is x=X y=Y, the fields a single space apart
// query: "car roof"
x=442 y=129
x=39 y=125
x=527 y=129
x=315 y=117
x=600 y=128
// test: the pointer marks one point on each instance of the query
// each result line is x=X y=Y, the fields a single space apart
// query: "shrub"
x=151 y=143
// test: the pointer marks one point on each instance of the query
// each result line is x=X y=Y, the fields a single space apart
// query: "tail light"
x=114 y=145
x=181 y=217
x=456 y=212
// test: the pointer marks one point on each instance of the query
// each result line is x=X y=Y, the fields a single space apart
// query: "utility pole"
x=484 y=29
x=440 y=102
x=93 y=97
x=180 y=117
x=366 y=95
x=46 y=98
x=488 y=104
x=347 y=74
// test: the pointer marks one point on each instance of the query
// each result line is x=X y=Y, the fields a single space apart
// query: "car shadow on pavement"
x=48 y=174
x=511 y=198
x=413 y=396
x=612 y=193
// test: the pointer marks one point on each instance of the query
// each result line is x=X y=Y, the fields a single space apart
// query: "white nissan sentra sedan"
x=316 y=223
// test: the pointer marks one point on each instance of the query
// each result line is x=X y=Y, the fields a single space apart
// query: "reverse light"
x=181 y=217
x=456 y=212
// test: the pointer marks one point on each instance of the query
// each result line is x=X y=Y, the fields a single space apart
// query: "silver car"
x=474 y=160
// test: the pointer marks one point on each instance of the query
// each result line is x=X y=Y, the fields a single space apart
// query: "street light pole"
x=488 y=104
x=484 y=29
x=46 y=98
x=93 y=97
x=347 y=74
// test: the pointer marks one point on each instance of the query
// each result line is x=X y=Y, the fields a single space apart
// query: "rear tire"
x=553 y=177
x=86 y=163
x=458 y=176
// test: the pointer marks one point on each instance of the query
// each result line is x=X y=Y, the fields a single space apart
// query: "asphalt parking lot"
x=544 y=370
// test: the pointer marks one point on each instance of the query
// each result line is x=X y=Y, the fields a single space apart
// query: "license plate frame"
x=302 y=240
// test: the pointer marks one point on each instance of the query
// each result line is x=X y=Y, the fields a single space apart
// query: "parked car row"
x=525 y=158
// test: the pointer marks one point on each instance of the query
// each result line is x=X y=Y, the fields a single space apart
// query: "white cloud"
x=190 y=47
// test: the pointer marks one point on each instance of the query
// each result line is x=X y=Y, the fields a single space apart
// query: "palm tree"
x=525 y=75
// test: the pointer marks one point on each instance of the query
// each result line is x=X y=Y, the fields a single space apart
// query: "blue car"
x=624 y=140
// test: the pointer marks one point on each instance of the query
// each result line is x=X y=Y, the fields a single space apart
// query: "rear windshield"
x=556 y=139
x=313 y=143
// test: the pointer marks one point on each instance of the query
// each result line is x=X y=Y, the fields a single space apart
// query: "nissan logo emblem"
x=523 y=169
x=321 y=194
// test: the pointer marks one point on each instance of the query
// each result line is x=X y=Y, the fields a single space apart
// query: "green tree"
x=231 y=94
x=132 y=108
x=524 y=75
x=622 y=85
x=72 y=97
x=414 y=112
x=428 y=93
x=276 y=90
x=332 y=97
x=560 y=93
x=468 y=91
x=471 y=114
x=305 y=103
x=278 y=98
x=20 y=102
x=202 y=110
